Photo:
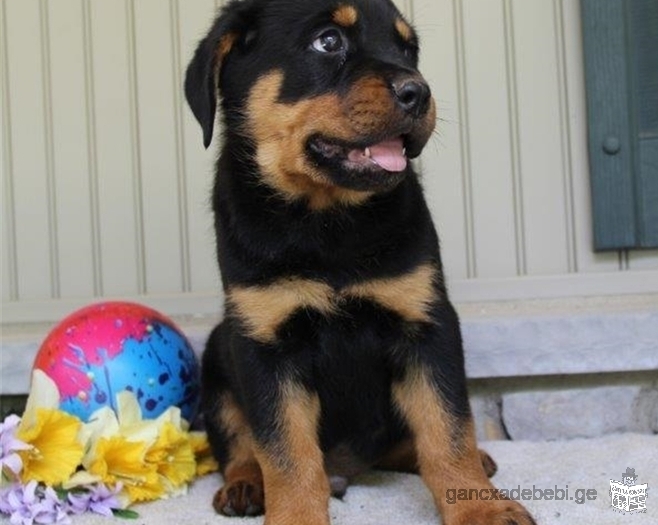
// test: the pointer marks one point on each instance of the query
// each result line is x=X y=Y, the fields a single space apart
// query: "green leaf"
x=126 y=514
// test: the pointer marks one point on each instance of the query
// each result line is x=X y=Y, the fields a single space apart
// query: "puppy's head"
x=327 y=92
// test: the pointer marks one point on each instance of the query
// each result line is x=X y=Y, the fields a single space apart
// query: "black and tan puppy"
x=339 y=350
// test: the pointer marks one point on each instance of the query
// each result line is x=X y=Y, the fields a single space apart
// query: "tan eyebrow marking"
x=404 y=30
x=346 y=15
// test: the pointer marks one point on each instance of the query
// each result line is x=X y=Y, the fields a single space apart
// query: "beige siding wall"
x=105 y=181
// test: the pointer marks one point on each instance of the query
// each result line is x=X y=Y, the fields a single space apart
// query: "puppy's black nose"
x=413 y=96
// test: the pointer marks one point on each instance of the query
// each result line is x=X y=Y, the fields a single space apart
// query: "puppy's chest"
x=262 y=310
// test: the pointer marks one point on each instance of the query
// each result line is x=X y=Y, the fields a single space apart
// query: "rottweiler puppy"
x=339 y=350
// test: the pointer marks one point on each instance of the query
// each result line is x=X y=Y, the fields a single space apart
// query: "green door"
x=621 y=67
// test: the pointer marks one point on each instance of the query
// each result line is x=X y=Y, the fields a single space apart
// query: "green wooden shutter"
x=621 y=69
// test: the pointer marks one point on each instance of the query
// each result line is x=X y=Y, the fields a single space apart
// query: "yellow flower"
x=172 y=455
x=151 y=458
x=205 y=461
x=116 y=459
x=56 y=451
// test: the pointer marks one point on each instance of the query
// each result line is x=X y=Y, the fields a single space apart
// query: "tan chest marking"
x=409 y=295
x=263 y=309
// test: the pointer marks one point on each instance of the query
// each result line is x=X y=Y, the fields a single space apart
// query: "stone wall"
x=551 y=408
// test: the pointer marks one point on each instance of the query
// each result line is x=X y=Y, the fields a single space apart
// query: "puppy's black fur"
x=339 y=350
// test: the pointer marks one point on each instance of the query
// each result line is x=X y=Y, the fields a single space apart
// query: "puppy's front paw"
x=503 y=512
x=240 y=498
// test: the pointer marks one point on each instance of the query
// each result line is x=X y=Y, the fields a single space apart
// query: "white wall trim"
x=554 y=286
x=461 y=291
x=50 y=311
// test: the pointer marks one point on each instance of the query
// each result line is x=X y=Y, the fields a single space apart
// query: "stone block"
x=488 y=417
x=575 y=413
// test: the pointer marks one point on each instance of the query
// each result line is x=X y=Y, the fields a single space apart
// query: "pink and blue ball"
x=103 y=349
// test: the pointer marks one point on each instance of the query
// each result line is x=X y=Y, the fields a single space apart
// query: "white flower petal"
x=43 y=394
x=81 y=478
x=128 y=409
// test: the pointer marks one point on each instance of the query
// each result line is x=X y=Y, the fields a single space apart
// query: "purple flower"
x=10 y=462
x=31 y=503
x=97 y=498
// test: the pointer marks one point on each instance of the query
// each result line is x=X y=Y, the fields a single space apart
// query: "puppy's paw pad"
x=239 y=498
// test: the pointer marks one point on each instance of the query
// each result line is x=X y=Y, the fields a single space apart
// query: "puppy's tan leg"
x=403 y=458
x=296 y=484
x=448 y=457
x=242 y=493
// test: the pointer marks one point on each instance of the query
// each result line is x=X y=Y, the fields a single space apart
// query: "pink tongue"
x=389 y=155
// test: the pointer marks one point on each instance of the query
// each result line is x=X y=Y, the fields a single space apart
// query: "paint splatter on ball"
x=106 y=348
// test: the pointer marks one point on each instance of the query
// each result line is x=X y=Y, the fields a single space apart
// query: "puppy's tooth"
x=367 y=152
x=404 y=151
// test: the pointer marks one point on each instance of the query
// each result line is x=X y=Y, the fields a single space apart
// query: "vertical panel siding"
x=106 y=183
x=158 y=148
x=51 y=194
x=29 y=174
x=92 y=150
x=194 y=19
x=69 y=132
x=538 y=136
x=567 y=152
x=116 y=147
x=511 y=72
x=444 y=167
x=490 y=139
x=181 y=179
x=8 y=239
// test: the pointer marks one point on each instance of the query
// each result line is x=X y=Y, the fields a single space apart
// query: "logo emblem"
x=628 y=496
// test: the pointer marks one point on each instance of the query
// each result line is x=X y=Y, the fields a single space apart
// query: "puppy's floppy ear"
x=202 y=72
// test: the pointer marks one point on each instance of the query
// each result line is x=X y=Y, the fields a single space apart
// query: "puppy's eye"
x=329 y=41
